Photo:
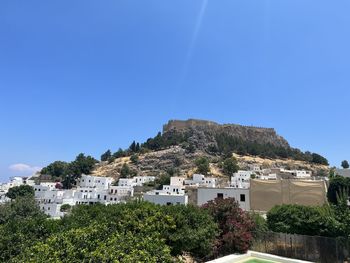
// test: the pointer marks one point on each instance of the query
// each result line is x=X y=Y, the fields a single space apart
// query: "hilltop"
x=182 y=142
x=175 y=150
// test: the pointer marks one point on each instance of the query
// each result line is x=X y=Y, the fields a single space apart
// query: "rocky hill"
x=175 y=151
x=182 y=142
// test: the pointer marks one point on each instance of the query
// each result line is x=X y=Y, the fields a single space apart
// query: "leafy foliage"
x=345 y=164
x=336 y=185
x=134 y=158
x=126 y=172
x=68 y=173
x=132 y=232
x=202 y=164
x=162 y=141
x=230 y=166
x=20 y=191
x=304 y=220
x=235 y=226
x=106 y=156
x=227 y=143
x=56 y=169
x=21 y=225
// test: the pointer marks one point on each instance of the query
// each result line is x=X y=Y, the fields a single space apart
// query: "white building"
x=299 y=174
x=241 y=195
x=267 y=177
x=201 y=180
x=90 y=190
x=95 y=181
x=141 y=180
x=126 y=182
x=136 y=181
x=169 y=195
x=241 y=179
x=176 y=180
x=14 y=181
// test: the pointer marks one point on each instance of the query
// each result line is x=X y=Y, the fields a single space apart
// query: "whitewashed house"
x=126 y=182
x=241 y=179
x=90 y=190
x=136 y=181
x=200 y=180
x=176 y=180
x=141 y=180
x=267 y=177
x=118 y=194
x=169 y=195
x=241 y=195
x=95 y=181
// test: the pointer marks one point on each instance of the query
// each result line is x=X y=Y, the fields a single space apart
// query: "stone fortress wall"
x=191 y=123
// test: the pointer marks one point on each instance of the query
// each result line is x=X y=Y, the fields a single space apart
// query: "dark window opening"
x=242 y=198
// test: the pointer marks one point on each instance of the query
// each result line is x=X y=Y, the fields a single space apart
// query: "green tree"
x=106 y=156
x=230 y=166
x=22 y=224
x=66 y=208
x=195 y=231
x=202 y=164
x=82 y=165
x=260 y=224
x=345 y=164
x=132 y=147
x=303 y=220
x=163 y=179
x=20 y=191
x=134 y=158
x=336 y=185
x=55 y=169
x=316 y=158
x=125 y=171
x=118 y=154
x=96 y=243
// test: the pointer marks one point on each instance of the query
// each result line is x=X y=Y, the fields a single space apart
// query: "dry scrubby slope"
x=156 y=163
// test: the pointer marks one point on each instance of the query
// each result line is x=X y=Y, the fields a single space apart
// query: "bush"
x=337 y=184
x=134 y=158
x=235 y=226
x=303 y=220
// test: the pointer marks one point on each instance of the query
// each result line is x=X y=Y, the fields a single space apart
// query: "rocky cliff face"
x=203 y=133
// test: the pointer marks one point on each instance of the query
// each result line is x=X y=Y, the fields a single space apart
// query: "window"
x=242 y=198
x=220 y=196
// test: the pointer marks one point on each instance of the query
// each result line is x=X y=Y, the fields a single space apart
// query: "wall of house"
x=240 y=195
x=166 y=199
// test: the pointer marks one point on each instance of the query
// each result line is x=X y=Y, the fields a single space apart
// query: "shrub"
x=303 y=220
x=235 y=226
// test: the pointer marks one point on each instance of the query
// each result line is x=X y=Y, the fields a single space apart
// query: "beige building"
x=265 y=194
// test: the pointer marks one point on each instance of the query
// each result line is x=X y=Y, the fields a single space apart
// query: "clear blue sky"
x=85 y=76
